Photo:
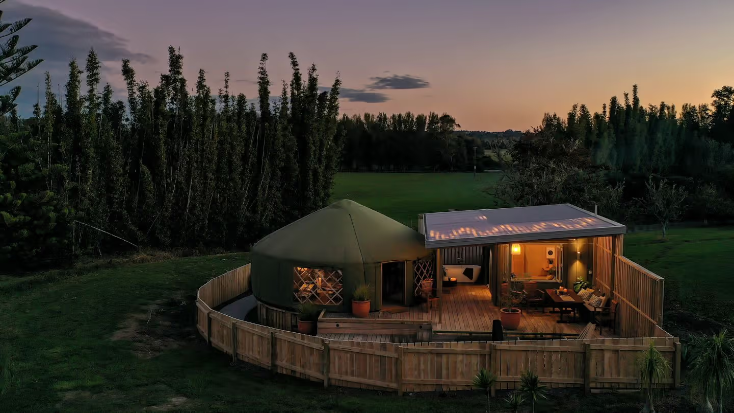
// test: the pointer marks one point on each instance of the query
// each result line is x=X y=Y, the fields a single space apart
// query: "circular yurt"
x=323 y=257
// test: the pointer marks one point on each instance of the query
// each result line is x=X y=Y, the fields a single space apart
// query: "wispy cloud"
x=398 y=82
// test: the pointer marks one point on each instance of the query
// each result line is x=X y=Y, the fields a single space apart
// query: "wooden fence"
x=588 y=364
x=640 y=292
x=276 y=317
x=469 y=255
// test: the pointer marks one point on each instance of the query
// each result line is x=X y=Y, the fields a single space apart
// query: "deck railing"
x=589 y=364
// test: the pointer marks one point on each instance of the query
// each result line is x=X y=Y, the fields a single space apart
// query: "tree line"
x=405 y=142
x=165 y=168
x=636 y=164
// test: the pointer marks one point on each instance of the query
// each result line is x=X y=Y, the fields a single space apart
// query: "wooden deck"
x=466 y=308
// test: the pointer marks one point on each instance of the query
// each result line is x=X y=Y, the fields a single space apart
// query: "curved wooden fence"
x=596 y=363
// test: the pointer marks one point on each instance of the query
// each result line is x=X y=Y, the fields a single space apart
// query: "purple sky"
x=494 y=65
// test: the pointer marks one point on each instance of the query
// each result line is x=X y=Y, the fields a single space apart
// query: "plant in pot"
x=509 y=314
x=361 y=301
x=308 y=314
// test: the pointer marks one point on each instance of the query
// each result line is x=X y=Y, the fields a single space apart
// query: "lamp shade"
x=515 y=249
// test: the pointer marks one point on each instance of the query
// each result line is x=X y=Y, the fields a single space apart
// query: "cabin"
x=447 y=280
x=541 y=288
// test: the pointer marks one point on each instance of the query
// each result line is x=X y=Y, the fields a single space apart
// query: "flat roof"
x=534 y=223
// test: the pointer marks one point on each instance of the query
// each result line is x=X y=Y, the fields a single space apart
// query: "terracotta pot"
x=510 y=318
x=361 y=309
x=306 y=327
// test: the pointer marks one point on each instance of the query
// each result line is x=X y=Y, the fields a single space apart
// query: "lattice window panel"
x=423 y=270
x=317 y=286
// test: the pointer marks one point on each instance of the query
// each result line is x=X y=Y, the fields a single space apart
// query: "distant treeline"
x=406 y=142
x=619 y=156
x=626 y=136
x=166 y=168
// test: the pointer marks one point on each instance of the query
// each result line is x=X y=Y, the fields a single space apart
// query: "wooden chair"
x=608 y=315
x=427 y=294
x=533 y=297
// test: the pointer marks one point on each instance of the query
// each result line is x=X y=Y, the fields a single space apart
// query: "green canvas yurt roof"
x=344 y=232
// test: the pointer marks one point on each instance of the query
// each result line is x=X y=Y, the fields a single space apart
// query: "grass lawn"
x=696 y=264
x=123 y=339
x=404 y=196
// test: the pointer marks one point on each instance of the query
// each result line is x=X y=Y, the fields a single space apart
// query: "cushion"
x=603 y=302
x=469 y=273
x=584 y=294
x=595 y=301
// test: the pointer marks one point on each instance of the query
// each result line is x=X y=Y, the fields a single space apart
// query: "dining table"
x=567 y=301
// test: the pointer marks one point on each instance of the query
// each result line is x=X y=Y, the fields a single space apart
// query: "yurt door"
x=393 y=283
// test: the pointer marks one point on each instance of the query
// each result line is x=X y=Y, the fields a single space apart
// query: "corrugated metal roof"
x=490 y=226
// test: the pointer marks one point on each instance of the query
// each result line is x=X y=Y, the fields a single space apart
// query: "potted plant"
x=509 y=314
x=361 y=301
x=308 y=314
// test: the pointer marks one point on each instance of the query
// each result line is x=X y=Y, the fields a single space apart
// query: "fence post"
x=273 y=353
x=677 y=361
x=613 y=268
x=587 y=368
x=493 y=367
x=325 y=362
x=234 y=342
x=400 y=370
x=209 y=328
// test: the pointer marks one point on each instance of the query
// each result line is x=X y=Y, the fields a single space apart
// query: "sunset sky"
x=494 y=65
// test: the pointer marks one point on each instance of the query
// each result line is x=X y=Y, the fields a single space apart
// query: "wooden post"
x=208 y=328
x=325 y=362
x=273 y=353
x=234 y=342
x=676 y=367
x=439 y=283
x=587 y=368
x=613 y=272
x=399 y=368
x=493 y=368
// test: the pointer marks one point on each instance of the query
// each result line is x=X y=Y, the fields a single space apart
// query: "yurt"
x=323 y=257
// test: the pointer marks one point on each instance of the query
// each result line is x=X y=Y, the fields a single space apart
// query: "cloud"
x=398 y=82
x=59 y=39
x=361 y=95
x=358 y=95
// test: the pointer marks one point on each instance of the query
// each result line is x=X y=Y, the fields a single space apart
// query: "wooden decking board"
x=465 y=308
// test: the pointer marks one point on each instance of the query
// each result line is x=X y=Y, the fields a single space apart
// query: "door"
x=393 y=283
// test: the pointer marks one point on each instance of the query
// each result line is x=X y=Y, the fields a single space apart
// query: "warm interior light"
x=515 y=249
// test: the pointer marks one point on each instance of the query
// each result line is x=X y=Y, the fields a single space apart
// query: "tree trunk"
x=721 y=397
x=489 y=409
x=665 y=230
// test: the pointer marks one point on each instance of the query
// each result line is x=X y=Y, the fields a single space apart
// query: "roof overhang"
x=522 y=224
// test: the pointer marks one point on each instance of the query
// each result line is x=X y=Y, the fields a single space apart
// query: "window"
x=537 y=262
x=317 y=286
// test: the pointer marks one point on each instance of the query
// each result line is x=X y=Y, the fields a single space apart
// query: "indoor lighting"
x=515 y=249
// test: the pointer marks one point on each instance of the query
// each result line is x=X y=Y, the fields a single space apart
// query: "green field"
x=404 y=196
x=122 y=338
x=696 y=264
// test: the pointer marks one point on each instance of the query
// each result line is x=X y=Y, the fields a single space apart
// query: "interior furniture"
x=608 y=315
x=534 y=297
x=566 y=303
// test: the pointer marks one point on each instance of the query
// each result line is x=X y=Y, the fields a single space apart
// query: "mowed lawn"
x=123 y=340
x=697 y=264
x=404 y=196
